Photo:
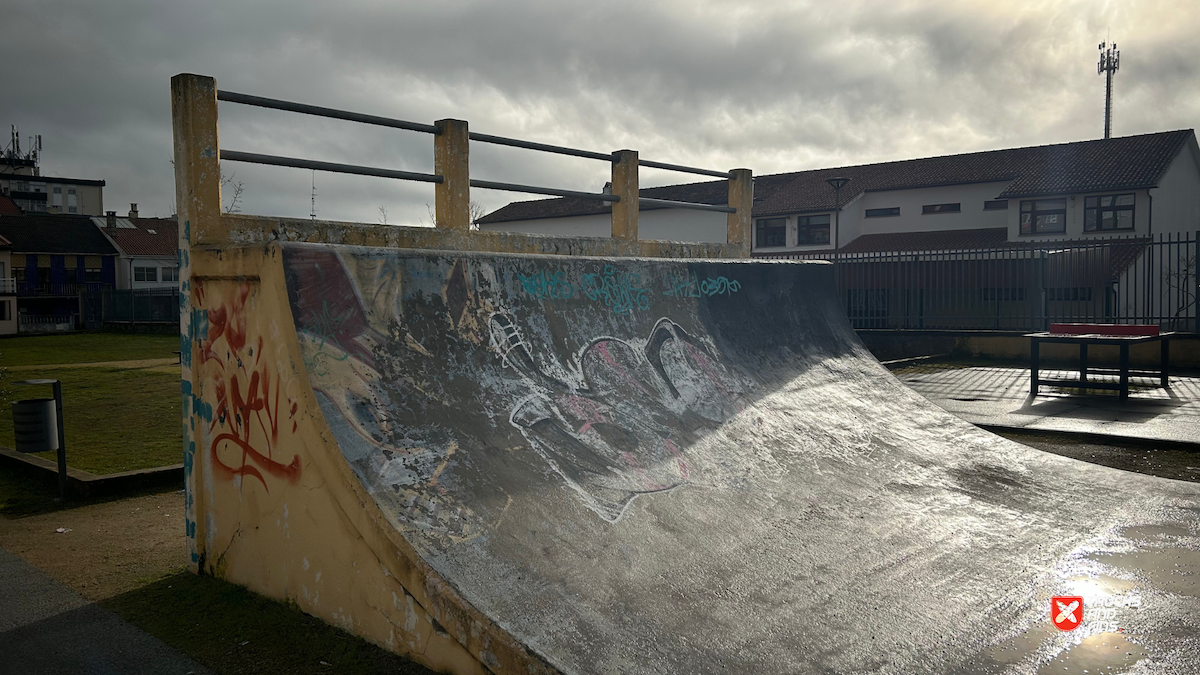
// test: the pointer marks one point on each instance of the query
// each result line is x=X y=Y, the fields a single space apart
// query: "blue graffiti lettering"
x=547 y=285
x=620 y=291
x=720 y=286
x=682 y=286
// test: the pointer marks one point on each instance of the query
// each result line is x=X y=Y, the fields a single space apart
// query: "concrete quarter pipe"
x=590 y=465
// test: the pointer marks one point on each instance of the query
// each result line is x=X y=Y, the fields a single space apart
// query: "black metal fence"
x=1024 y=285
x=131 y=307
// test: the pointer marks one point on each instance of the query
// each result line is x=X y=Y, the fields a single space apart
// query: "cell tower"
x=1110 y=62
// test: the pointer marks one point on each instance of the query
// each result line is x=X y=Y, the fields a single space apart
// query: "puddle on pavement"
x=1107 y=652
x=1101 y=653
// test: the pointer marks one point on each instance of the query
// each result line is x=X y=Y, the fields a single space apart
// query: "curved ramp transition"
x=656 y=466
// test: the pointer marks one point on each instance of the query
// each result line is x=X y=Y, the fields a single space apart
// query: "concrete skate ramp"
x=649 y=466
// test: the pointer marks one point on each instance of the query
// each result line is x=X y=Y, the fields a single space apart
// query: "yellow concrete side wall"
x=276 y=507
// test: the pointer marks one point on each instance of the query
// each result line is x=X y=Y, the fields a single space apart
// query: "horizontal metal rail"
x=684 y=169
x=695 y=206
x=277 y=104
x=514 y=187
x=261 y=102
x=274 y=160
x=530 y=145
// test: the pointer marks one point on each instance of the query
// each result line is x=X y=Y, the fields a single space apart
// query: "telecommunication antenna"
x=1110 y=62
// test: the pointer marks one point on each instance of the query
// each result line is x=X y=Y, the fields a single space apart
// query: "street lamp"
x=837 y=183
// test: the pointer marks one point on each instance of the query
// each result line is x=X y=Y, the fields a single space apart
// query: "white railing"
x=8 y=286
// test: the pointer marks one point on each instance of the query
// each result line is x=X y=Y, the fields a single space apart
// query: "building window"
x=170 y=274
x=812 y=230
x=941 y=208
x=1108 y=212
x=1083 y=294
x=5 y=314
x=93 y=275
x=71 y=275
x=1044 y=216
x=56 y=197
x=771 y=232
x=996 y=205
x=145 y=274
x=883 y=213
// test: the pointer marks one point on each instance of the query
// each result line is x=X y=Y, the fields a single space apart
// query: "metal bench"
x=1085 y=334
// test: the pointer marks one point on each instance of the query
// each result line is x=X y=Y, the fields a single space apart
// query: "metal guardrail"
x=1024 y=285
x=29 y=289
x=289 y=106
x=8 y=286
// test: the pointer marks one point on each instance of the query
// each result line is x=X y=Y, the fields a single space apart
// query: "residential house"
x=1130 y=185
x=148 y=249
x=1051 y=203
x=56 y=261
x=8 y=290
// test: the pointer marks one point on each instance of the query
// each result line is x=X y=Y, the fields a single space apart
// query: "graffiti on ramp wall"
x=422 y=364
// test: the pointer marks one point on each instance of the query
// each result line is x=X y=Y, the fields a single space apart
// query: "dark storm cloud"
x=773 y=86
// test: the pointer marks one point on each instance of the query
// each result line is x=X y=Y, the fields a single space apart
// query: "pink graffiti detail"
x=683 y=469
x=602 y=348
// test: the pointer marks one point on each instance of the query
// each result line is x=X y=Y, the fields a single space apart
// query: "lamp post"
x=837 y=183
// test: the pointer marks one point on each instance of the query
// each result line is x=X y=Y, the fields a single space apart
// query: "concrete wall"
x=660 y=224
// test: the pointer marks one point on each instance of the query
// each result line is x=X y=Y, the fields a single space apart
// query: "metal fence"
x=131 y=306
x=1024 y=285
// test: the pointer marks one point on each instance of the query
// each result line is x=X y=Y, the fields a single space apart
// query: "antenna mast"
x=1110 y=62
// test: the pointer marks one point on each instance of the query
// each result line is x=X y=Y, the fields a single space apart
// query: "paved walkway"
x=1000 y=397
x=45 y=628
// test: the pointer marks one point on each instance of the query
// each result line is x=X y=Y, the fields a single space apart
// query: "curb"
x=86 y=485
x=1094 y=437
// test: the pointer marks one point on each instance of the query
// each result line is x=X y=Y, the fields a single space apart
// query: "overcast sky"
x=773 y=86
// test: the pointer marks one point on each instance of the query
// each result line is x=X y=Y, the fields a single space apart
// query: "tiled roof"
x=8 y=207
x=148 y=237
x=4 y=243
x=44 y=233
x=1128 y=162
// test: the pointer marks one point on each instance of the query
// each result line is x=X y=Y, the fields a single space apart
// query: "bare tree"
x=475 y=211
x=234 y=187
x=383 y=216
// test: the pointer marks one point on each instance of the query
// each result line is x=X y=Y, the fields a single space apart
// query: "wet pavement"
x=999 y=397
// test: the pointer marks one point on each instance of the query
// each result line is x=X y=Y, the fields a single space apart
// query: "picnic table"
x=1085 y=334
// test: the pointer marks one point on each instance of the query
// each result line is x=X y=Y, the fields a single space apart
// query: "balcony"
x=34 y=289
x=8 y=286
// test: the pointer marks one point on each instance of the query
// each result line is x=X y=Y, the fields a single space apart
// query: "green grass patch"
x=24 y=493
x=40 y=350
x=115 y=419
x=232 y=630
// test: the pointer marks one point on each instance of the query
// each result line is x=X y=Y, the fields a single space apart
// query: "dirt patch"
x=110 y=548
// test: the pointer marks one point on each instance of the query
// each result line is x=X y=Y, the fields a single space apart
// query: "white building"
x=148 y=249
x=1133 y=185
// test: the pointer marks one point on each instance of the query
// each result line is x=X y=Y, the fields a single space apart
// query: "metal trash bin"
x=35 y=425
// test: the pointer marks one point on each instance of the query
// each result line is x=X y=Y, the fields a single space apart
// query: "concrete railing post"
x=741 y=197
x=452 y=161
x=198 y=204
x=625 y=185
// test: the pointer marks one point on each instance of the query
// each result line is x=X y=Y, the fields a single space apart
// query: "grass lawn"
x=38 y=350
x=231 y=630
x=115 y=419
